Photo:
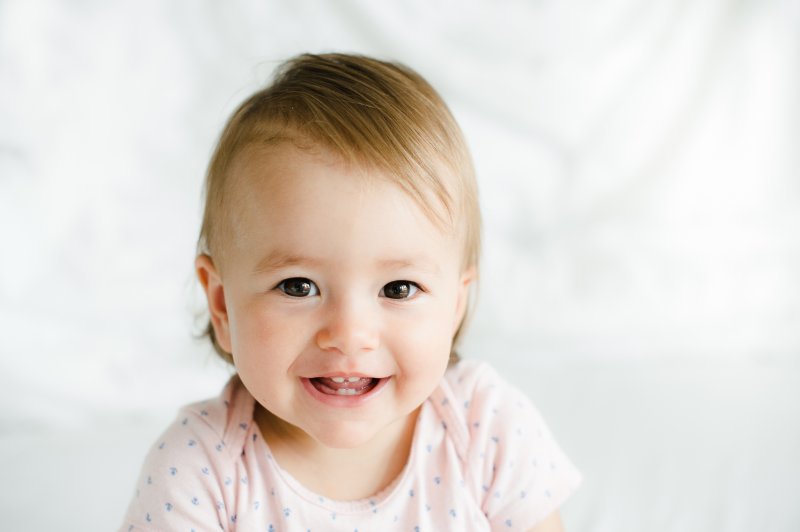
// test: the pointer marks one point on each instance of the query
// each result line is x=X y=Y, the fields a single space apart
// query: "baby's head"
x=380 y=121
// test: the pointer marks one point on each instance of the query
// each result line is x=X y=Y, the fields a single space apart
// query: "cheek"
x=421 y=361
x=262 y=339
x=422 y=342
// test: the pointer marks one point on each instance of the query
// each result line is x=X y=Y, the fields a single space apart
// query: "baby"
x=339 y=246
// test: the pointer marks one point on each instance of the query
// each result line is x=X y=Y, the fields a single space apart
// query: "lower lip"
x=344 y=401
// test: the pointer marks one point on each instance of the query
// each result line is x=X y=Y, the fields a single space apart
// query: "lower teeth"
x=346 y=391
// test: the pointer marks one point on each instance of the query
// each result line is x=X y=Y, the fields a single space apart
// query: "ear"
x=467 y=278
x=215 y=294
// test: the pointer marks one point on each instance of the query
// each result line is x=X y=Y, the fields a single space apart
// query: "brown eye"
x=298 y=287
x=400 y=289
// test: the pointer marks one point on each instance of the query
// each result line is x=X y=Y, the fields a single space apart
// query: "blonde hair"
x=372 y=113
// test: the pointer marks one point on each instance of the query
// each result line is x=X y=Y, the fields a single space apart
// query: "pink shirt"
x=481 y=458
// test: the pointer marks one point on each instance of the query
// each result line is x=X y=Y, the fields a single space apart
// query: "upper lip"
x=344 y=374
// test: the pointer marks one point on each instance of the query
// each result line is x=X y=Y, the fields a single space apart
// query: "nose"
x=349 y=328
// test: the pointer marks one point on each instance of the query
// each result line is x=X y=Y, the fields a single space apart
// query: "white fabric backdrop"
x=640 y=182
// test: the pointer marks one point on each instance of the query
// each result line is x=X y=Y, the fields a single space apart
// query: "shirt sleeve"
x=521 y=474
x=182 y=482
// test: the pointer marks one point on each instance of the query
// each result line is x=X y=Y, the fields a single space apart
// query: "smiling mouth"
x=344 y=385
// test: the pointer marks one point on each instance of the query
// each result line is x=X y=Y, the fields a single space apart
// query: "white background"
x=639 y=174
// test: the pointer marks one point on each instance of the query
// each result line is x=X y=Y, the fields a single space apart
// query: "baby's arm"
x=551 y=524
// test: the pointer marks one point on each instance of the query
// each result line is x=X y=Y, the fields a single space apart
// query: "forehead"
x=288 y=199
x=275 y=163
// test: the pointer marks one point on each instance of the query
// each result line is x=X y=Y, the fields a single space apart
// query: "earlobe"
x=211 y=281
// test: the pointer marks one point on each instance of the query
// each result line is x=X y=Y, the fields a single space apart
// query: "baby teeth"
x=340 y=380
x=346 y=391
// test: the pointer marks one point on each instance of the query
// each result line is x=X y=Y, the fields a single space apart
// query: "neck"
x=339 y=473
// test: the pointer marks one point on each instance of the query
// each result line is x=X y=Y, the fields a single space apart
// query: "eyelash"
x=281 y=286
x=414 y=288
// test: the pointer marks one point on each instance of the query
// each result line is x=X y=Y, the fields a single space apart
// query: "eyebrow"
x=398 y=264
x=277 y=260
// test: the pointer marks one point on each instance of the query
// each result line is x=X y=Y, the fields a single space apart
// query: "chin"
x=346 y=436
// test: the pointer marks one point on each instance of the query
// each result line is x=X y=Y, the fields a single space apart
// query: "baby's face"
x=339 y=297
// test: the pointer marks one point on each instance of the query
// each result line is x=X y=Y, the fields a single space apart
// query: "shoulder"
x=211 y=426
x=493 y=408
x=516 y=469
x=463 y=376
x=481 y=390
x=184 y=473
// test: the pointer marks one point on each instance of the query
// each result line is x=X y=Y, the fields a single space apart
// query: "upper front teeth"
x=342 y=379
